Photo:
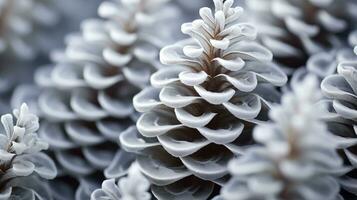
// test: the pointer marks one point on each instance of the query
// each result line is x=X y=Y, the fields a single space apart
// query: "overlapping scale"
x=295 y=30
x=325 y=63
x=341 y=90
x=203 y=105
x=86 y=102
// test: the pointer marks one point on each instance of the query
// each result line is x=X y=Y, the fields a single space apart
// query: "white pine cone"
x=298 y=157
x=294 y=30
x=203 y=105
x=132 y=187
x=341 y=89
x=19 y=20
x=86 y=103
x=23 y=166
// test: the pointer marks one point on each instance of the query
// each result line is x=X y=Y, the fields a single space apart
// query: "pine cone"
x=86 y=104
x=325 y=63
x=134 y=187
x=22 y=23
x=341 y=88
x=203 y=106
x=298 y=158
x=294 y=30
x=19 y=19
x=23 y=167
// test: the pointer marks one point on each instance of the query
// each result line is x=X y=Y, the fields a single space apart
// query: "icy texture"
x=202 y=106
x=297 y=158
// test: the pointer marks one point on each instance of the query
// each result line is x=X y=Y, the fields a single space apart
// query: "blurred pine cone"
x=22 y=26
x=86 y=103
x=19 y=19
x=203 y=105
x=341 y=89
x=324 y=64
x=294 y=30
x=298 y=157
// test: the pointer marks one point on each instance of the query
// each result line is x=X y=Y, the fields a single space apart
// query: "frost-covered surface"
x=297 y=158
x=87 y=98
x=132 y=187
x=294 y=30
x=341 y=89
x=203 y=104
x=23 y=166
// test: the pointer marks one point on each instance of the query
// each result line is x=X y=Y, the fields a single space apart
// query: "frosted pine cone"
x=341 y=88
x=294 y=30
x=88 y=92
x=19 y=19
x=203 y=105
x=23 y=166
x=133 y=187
x=298 y=158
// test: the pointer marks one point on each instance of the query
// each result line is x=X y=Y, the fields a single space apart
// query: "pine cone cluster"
x=252 y=105
x=23 y=166
x=203 y=105
x=86 y=102
x=294 y=30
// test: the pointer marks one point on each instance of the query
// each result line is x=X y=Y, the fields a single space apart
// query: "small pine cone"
x=298 y=157
x=24 y=168
x=294 y=30
x=202 y=107
x=341 y=89
x=132 y=187
x=19 y=20
x=86 y=103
